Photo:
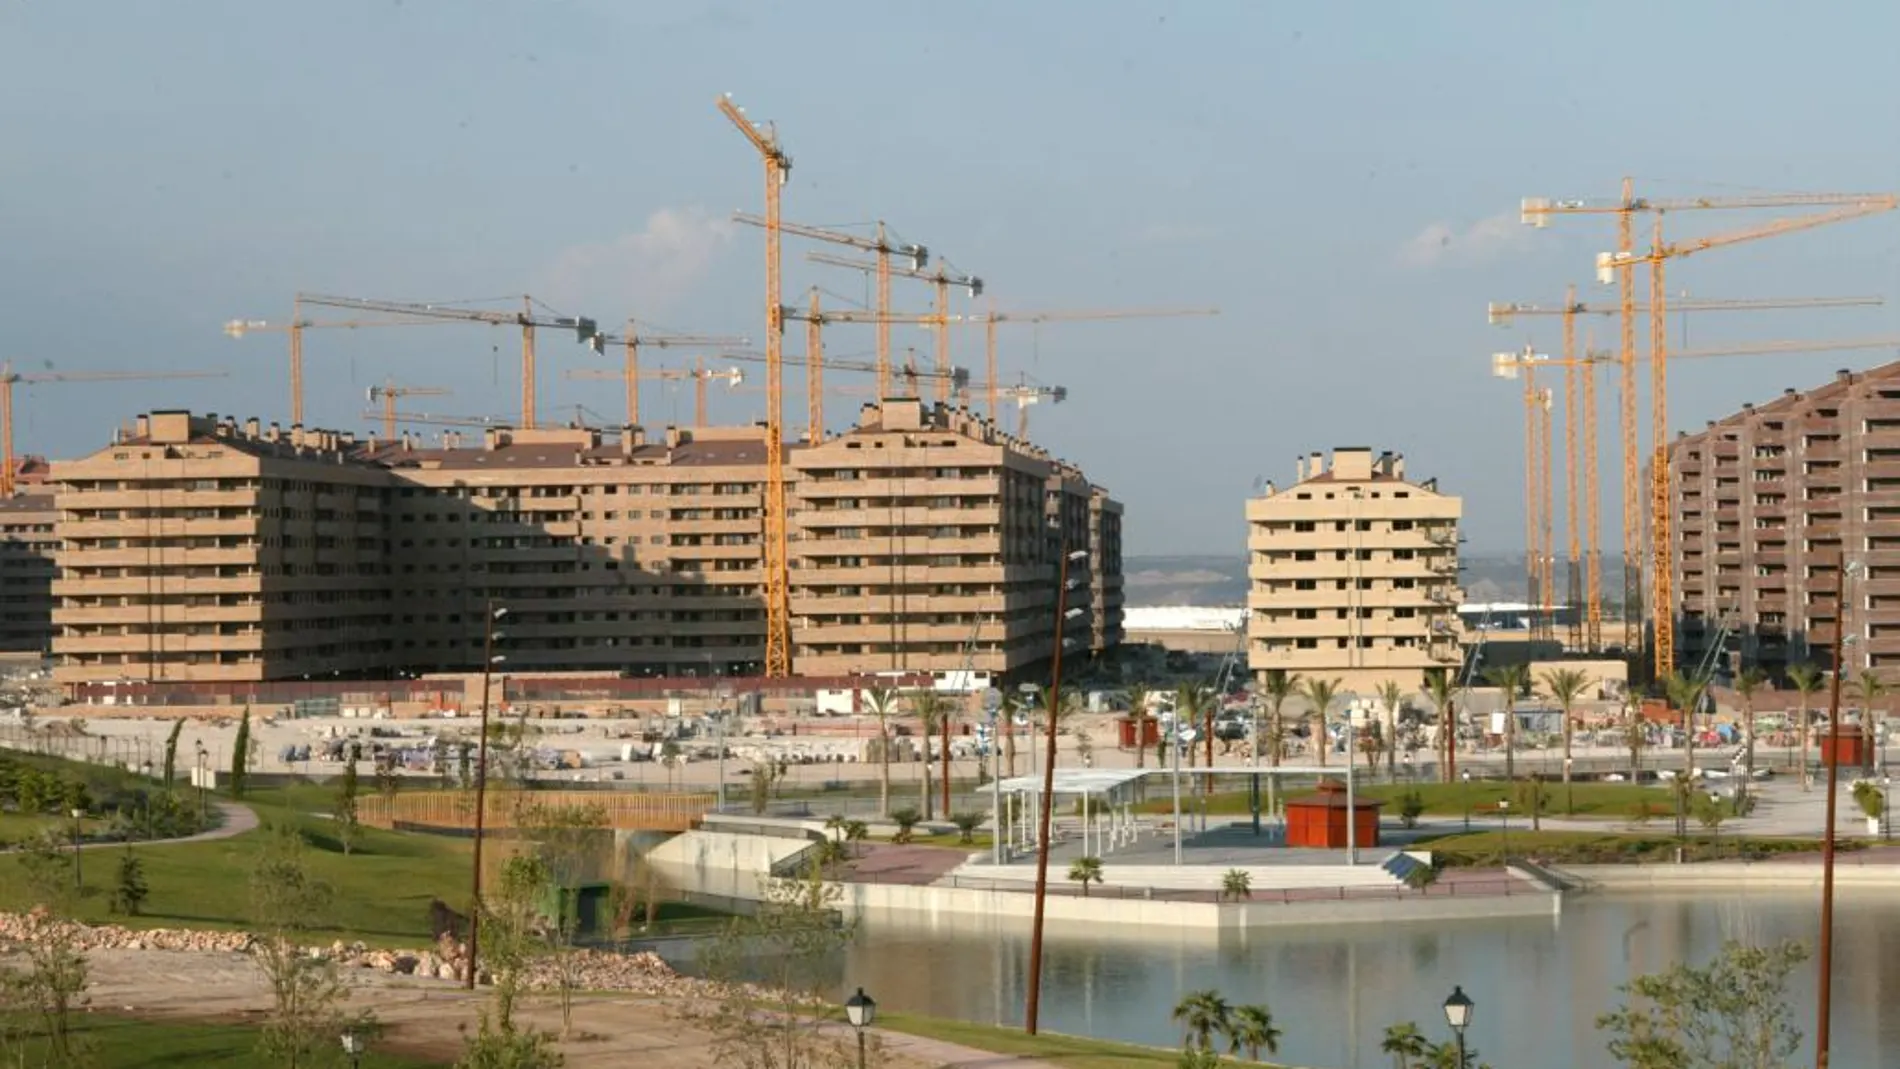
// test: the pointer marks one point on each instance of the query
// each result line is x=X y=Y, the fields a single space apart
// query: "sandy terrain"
x=425 y=1017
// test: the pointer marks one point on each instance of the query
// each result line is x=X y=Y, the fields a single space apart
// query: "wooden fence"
x=627 y=811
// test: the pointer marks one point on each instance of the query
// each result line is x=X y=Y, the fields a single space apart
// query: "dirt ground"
x=425 y=1017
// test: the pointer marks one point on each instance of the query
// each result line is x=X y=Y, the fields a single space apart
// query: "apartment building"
x=27 y=542
x=1767 y=504
x=927 y=539
x=197 y=549
x=1353 y=574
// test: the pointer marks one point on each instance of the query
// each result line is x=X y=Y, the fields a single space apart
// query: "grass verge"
x=1486 y=849
x=1069 y=1052
x=127 y=1043
x=1617 y=801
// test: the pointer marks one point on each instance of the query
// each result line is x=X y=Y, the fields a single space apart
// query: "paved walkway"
x=238 y=819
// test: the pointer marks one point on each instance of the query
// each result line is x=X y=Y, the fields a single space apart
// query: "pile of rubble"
x=590 y=970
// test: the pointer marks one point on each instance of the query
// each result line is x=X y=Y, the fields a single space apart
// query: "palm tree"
x=1193 y=704
x=1746 y=684
x=1202 y=1015
x=881 y=699
x=1868 y=689
x=1392 y=695
x=1685 y=693
x=1320 y=693
x=1808 y=682
x=1441 y=686
x=1251 y=1029
x=1634 y=704
x=1006 y=714
x=1278 y=687
x=1137 y=695
x=1566 y=685
x=1086 y=870
x=1405 y=1042
x=928 y=705
x=1510 y=679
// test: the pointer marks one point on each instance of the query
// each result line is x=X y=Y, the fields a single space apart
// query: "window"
x=1302 y=526
x=1302 y=554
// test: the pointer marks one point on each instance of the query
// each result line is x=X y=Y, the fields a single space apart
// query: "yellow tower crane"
x=816 y=318
x=10 y=378
x=943 y=278
x=585 y=330
x=1537 y=405
x=1587 y=469
x=778 y=600
x=883 y=248
x=1537 y=211
x=991 y=318
x=389 y=391
x=698 y=374
x=238 y=328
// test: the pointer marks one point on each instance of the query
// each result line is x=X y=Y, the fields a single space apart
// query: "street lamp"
x=1458 y=1016
x=78 y=882
x=1504 y=845
x=1570 y=807
x=860 y=1009
x=1886 y=808
x=1466 y=776
x=201 y=783
x=489 y=660
x=354 y=1045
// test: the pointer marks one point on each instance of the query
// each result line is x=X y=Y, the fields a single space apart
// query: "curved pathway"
x=238 y=819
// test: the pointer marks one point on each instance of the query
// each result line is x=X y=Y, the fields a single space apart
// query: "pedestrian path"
x=238 y=819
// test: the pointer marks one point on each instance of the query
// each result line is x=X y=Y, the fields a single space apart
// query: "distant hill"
x=1150 y=581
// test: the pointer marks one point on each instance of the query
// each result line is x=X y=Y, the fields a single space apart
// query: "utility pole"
x=1825 y=999
x=1033 y=1003
x=489 y=617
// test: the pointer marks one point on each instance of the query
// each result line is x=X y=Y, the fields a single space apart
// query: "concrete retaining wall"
x=722 y=863
x=1730 y=876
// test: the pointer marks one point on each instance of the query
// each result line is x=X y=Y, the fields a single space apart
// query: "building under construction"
x=1770 y=501
x=200 y=549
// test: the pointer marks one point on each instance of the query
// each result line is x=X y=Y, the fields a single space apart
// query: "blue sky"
x=1341 y=180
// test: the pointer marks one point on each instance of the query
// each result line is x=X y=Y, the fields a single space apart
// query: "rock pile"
x=591 y=970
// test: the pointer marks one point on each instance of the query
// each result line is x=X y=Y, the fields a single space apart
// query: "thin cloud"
x=1442 y=242
x=1174 y=233
x=648 y=271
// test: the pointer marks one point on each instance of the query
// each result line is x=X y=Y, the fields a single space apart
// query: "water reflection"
x=1539 y=982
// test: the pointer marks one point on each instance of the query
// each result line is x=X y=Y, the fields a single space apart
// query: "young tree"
x=1405 y=1043
x=1251 y=1029
x=1319 y=693
x=1510 y=679
x=1137 y=695
x=241 y=754
x=881 y=700
x=1202 y=1015
x=774 y=1003
x=132 y=890
x=171 y=752
x=1633 y=718
x=43 y=977
x=906 y=820
x=929 y=707
x=967 y=823
x=510 y=945
x=567 y=841
x=1086 y=870
x=287 y=901
x=1236 y=884
x=1566 y=685
x=1869 y=688
x=1685 y=693
x=1808 y=682
x=1391 y=695
x=1731 y=1012
x=1442 y=687
x=1278 y=687
x=1746 y=686
x=349 y=829
x=1194 y=706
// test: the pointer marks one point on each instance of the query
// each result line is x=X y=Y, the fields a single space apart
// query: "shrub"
x=906 y=820
x=966 y=823
x=1411 y=804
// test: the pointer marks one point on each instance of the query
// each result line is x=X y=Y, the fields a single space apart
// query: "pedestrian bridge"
x=455 y=810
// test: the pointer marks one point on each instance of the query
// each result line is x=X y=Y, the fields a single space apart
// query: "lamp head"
x=860 y=1009
x=1458 y=1009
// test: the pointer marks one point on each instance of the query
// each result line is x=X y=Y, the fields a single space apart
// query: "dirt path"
x=425 y=1017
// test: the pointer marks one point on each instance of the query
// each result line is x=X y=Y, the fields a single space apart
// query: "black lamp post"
x=860 y=1009
x=354 y=1045
x=1458 y=1016
x=1466 y=776
x=78 y=881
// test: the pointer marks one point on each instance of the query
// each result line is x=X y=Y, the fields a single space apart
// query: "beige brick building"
x=198 y=549
x=1353 y=574
x=27 y=542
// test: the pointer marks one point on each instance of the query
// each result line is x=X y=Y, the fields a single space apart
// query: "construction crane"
x=882 y=247
x=698 y=374
x=388 y=392
x=634 y=340
x=991 y=318
x=778 y=600
x=1537 y=211
x=238 y=328
x=815 y=319
x=1609 y=266
x=942 y=278
x=1537 y=406
x=1509 y=365
x=586 y=331
x=427 y=419
x=1023 y=394
x=10 y=378
x=1505 y=314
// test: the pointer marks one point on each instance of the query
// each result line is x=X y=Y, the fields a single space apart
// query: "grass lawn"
x=1069 y=1052
x=126 y=1043
x=1485 y=849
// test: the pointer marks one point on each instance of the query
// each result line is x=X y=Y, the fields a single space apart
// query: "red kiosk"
x=1150 y=729
x=1853 y=747
x=1319 y=820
